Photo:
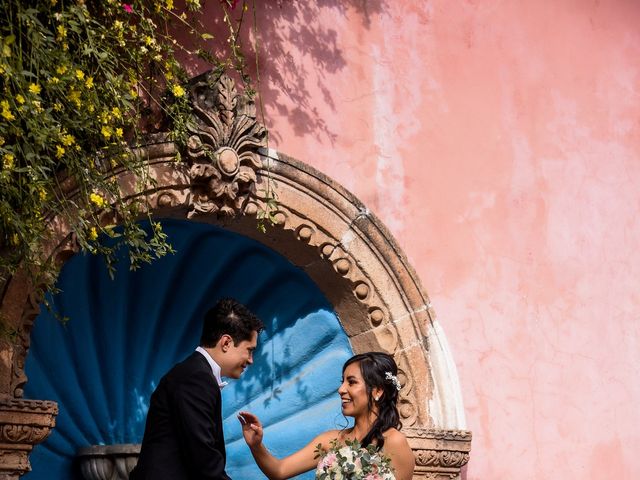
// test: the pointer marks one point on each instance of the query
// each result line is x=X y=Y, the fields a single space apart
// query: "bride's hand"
x=251 y=429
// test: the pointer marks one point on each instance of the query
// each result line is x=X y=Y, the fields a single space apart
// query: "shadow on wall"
x=286 y=86
x=123 y=336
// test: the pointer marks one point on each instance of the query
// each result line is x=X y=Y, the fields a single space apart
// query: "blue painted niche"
x=122 y=336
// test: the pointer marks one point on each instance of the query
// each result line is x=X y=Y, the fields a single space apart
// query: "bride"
x=369 y=393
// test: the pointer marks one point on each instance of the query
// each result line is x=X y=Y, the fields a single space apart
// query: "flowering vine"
x=80 y=82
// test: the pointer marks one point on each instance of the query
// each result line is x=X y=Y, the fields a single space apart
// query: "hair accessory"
x=393 y=379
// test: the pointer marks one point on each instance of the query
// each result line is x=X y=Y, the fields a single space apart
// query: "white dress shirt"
x=214 y=367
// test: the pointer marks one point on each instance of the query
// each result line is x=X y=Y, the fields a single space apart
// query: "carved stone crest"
x=221 y=150
x=23 y=424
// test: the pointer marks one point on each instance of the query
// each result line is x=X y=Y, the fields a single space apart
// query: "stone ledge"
x=23 y=424
x=440 y=454
x=114 y=462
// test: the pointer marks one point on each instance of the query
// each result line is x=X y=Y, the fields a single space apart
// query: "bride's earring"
x=376 y=398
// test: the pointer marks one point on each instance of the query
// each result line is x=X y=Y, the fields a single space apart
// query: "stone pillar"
x=440 y=454
x=23 y=424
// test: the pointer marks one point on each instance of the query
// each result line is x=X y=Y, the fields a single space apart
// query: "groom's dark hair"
x=229 y=317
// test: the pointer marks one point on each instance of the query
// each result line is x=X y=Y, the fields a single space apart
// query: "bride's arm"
x=274 y=468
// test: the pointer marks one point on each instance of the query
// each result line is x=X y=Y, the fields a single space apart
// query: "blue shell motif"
x=102 y=366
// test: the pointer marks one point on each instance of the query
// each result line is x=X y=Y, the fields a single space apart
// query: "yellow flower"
x=42 y=193
x=116 y=112
x=93 y=233
x=148 y=40
x=35 y=88
x=59 y=151
x=106 y=132
x=118 y=24
x=91 y=108
x=61 y=70
x=54 y=80
x=97 y=200
x=19 y=99
x=133 y=92
x=8 y=161
x=6 y=111
x=79 y=74
x=169 y=4
x=8 y=115
x=169 y=75
x=119 y=132
x=178 y=91
x=2 y=70
x=62 y=32
x=74 y=96
x=68 y=140
x=89 y=82
x=57 y=106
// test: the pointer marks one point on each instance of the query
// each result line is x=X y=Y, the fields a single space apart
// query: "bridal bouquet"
x=352 y=462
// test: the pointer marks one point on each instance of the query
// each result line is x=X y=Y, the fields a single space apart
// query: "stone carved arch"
x=319 y=226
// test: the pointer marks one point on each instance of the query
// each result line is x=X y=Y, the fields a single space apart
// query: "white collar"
x=215 y=368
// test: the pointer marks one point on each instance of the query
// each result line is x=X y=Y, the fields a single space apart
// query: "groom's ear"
x=225 y=342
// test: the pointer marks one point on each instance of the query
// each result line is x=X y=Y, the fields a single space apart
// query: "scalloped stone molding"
x=108 y=462
x=319 y=226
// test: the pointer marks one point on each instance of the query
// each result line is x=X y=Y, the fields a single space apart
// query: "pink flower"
x=127 y=8
x=329 y=460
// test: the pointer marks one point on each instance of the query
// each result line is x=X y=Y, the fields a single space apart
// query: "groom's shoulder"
x=193 y=363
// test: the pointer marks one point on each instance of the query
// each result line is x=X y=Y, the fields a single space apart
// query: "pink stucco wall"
x=500 y=143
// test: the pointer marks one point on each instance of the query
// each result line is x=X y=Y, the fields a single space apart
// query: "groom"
x=183 y=438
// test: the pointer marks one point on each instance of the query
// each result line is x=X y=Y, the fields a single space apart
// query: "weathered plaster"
x=519 y=203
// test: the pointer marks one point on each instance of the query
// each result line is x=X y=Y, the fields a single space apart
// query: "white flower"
x=347 y=453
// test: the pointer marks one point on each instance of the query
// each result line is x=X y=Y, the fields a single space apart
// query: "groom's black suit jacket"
x=183 y=438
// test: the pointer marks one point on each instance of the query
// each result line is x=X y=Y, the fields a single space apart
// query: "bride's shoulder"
x=327 y=437
x=395 y=438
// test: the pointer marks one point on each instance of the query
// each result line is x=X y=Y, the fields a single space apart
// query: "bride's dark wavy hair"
x=374 y=367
